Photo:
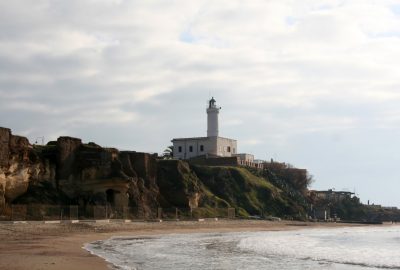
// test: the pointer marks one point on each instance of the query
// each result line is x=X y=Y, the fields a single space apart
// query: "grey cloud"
x=119 y=73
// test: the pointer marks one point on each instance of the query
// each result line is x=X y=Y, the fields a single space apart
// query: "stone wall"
x=218 y=161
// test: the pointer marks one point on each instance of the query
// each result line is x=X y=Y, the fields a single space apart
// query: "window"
x=190 y=148
x=228 y=148
x=234 y=150
x=201 y=148
x=180 y=149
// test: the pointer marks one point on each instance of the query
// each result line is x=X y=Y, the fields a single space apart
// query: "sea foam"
x=364 y=246
x=342 y=248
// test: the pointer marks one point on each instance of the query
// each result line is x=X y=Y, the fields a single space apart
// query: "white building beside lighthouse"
x=210 y=146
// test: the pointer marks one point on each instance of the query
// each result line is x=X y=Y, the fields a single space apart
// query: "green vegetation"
x=352 y=209
x=168 y=152
x=250 y=194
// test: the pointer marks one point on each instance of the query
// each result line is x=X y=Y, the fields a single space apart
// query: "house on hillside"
x=331 y=195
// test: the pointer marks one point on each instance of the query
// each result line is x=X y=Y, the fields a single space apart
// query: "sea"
x=351 y=248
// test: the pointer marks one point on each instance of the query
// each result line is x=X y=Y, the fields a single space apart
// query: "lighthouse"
x=207 y=147
x=212 y=118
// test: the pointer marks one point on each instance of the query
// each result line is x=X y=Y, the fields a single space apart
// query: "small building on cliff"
x=211 y=146
x=331 y=195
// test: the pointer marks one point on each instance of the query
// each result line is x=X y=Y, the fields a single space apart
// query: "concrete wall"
x=215 y=161
x=245 y=157
x=215 y=146
x=226 y=147
x=195 y=144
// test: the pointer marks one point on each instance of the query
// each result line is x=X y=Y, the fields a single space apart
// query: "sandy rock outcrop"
x=20 y=166
x=84 y=173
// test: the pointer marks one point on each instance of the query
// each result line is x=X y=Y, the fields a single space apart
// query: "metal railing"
x=40 y=212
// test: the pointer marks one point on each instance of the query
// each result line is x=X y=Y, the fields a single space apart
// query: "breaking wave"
x=340 y=249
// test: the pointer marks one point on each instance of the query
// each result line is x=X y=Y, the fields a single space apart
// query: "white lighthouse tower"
x=212 y=118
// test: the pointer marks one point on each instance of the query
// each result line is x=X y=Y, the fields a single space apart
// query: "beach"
x=59 y=246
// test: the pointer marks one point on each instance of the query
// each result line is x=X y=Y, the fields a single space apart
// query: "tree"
x=168 y=152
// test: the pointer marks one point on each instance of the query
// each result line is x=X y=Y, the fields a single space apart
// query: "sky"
x=310 y=83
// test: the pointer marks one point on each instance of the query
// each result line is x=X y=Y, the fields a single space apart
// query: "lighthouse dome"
x=212 y=103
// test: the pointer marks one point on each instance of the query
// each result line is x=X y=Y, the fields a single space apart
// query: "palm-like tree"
x=168 y=152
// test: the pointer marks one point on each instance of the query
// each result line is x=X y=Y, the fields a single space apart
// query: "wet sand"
x=59 y=246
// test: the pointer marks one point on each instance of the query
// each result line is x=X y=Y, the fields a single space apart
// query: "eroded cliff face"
x=179 y=185
x=20 y=166
x=68 y=171
x=86 y=174
x=105 y=176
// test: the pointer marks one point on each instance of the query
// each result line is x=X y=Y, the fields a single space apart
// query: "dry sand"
x=37 y=246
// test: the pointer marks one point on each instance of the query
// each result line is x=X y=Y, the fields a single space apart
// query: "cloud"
x=135 y=74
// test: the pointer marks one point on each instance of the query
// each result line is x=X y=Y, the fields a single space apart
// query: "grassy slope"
x=249 y=193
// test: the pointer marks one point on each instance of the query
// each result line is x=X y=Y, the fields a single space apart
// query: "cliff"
x=68 y=171
x=20 y=166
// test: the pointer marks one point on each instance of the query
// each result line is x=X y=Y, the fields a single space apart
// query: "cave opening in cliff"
x=110 y=193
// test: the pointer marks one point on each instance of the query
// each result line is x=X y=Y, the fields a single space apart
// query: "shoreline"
x=61 y=246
